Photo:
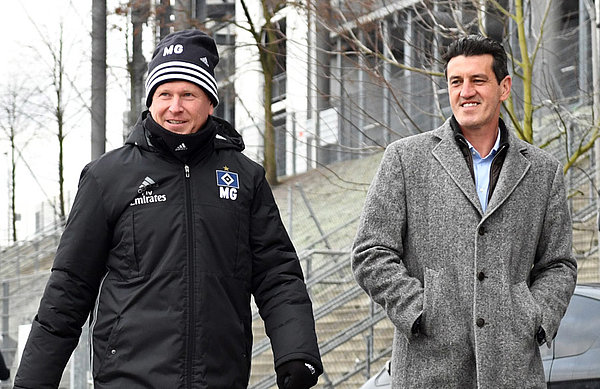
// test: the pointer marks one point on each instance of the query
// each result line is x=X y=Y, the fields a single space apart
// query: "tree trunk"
x=13 y=175
x=137 y=67
x=269 y=163
x=268 y=53
x=163 y=14
x=527 y=68
x=60 y=120
x=98 y=77
x=183 y=14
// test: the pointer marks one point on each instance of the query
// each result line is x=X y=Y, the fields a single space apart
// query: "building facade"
x=358 y=76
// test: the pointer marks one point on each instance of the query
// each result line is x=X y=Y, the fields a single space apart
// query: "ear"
x=505 y=86
x=211 y=109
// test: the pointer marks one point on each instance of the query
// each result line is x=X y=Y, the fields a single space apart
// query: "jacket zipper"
x=190 y=249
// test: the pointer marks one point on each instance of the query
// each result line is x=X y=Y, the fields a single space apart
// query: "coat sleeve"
x=554 y=273
x=70 y=292
x=378 y=251
x=278 y=285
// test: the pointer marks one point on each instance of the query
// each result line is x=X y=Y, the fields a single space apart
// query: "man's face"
x=180 y=106
x=475 y=95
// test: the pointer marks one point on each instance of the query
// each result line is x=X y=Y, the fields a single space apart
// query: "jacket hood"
x=227 y=137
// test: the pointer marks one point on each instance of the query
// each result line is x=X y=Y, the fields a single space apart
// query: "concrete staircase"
x=346 y=323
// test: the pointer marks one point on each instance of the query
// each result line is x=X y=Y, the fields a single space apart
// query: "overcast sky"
x=25 y=60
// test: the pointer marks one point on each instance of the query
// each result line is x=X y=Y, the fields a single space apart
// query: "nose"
x=467 y=90
x=175 y=105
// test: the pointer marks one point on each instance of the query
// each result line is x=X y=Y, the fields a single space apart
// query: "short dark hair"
x=478 y=45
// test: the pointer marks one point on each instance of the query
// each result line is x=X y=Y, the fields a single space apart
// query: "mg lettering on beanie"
x=188 y=55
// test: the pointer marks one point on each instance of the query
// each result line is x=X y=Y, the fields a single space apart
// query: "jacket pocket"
x=527 y=315
x=109 y=353
x=123 y=257
x=431 y=292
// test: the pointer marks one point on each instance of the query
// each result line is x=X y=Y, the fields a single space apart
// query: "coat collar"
x=449 y=155
x=516 y=165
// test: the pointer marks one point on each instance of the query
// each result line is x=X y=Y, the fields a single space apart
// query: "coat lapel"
x=513 y=170
x=450 y=157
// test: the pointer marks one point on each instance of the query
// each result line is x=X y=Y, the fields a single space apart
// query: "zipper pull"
x=187 y=171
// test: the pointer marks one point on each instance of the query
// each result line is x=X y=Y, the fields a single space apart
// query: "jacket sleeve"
x=278 y=284
x=378 y=250
x=554 y=273
x=70 y=292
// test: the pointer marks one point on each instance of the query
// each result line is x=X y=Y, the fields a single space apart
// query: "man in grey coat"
x=465 y=240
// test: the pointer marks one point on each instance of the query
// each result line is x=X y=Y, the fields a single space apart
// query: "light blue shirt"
x=481 y=169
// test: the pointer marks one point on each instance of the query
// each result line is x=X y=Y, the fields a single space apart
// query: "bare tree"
x=58 y=111
x=55 y=97
x=15 y=119
x=270 y=41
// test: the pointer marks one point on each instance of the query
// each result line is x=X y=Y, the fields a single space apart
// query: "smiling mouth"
x=175 y=121
x=467 y=105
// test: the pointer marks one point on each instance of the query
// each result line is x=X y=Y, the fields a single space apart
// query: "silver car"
x=573 y=362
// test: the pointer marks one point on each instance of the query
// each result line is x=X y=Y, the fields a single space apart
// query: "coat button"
x=480 y=322
x=113 y=351
x=481 y=276
x=481 y=230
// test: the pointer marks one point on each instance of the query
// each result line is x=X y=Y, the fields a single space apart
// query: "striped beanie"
x=188 y=55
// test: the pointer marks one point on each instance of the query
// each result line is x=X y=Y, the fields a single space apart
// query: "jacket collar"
x=462 y=141
x=450 y=156
x=227 y=137
x=185 y=147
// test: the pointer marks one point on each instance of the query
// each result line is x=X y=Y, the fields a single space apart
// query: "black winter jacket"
x=164 y=256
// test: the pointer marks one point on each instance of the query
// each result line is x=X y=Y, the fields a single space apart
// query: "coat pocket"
x=123 y=256
x=527 y=315
x=431 y=285
x=108 y=352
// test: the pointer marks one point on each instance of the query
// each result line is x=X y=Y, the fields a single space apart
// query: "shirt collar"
x=493 y=151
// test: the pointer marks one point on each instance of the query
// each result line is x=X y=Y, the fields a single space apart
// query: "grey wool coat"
x=483 y=283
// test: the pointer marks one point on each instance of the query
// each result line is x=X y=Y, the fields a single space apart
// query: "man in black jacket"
x=168 y=238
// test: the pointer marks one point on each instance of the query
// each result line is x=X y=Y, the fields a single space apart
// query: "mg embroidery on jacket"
x=228 y=184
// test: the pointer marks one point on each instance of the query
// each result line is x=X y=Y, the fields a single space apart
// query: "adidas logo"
x=181 y=147
x=204 y=61
x=146 y=184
